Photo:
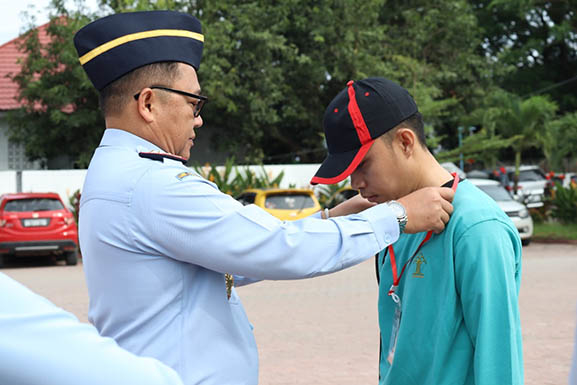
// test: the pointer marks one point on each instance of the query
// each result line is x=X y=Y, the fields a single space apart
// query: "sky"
x=13 y=22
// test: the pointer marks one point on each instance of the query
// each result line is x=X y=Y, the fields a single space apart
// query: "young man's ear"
x=406 y=139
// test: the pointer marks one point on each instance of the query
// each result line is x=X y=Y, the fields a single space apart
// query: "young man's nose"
x=357 y=182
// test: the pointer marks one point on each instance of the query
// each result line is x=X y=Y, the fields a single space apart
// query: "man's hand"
x=353 y=205
x=428 y=209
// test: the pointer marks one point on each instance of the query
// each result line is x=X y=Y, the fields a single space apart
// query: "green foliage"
x=74 y=201
x=518 y=120
x=480 y=146
x=533 y=43
x=232 y=180
x=329 y=195
x=554 y=230
x=558 y=140
x=60 y=113
x=248 y=179
x=270 y=68
x=271 y=78
x=564 y=204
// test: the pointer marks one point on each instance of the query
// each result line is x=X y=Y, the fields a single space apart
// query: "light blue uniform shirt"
x=156 y=240
x=41 y=344
x=460 y=322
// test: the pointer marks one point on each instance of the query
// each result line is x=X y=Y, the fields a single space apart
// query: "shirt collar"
x=122 y=138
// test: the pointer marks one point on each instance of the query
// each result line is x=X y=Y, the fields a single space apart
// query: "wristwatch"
x=400 y=213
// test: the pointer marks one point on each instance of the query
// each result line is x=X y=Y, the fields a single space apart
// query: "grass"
x=555 y=231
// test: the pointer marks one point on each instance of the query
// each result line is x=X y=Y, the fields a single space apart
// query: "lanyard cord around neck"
x=396 y=277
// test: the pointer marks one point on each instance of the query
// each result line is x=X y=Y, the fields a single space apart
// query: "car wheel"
x=525 y=242
x=71 y=258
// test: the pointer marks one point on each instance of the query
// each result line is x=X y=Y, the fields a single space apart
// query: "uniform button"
x=388 y=238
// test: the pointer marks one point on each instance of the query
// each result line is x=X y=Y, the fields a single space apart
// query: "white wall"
x=66 y=182
x=63 y=182
x=298 y=175
x=7 y=181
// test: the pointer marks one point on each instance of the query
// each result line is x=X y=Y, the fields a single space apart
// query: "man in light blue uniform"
x=41 y=344
x=157 y=239
x=448 y=303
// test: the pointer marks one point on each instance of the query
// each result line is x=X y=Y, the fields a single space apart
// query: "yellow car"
x=285 y=204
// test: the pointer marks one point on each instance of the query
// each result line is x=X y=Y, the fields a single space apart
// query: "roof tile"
x=9 y=55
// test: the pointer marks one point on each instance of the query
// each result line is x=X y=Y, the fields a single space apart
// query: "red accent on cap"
x=357 y=117
x=349 y=170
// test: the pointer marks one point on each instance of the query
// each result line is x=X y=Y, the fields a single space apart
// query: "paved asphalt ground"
x=324 y=330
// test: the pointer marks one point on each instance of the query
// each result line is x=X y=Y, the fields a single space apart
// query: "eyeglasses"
x=197 y=106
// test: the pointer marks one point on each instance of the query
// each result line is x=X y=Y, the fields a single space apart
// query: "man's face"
x=176 y=117
x=383 y=173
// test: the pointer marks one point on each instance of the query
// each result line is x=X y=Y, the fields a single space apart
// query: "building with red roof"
x=12 y=155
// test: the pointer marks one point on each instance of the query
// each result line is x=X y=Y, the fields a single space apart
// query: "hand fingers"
x=444 y=217
x=447 y=193
x=447 y=207
x=439 y=227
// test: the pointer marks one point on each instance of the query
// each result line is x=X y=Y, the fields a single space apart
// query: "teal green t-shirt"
x=459 y=298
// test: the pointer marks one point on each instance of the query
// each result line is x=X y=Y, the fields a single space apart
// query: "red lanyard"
x=396 y=277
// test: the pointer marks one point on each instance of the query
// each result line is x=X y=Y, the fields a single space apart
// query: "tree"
x=59 y=113
x=481 y=145
x=444 y=39
x=558 y=140
x=270 y=69
x=524 y=118
x=536 y=42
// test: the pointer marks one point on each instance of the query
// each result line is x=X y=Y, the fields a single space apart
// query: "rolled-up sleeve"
x=192 y=221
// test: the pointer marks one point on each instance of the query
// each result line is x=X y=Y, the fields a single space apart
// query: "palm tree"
x=558 y=140
x=524 y=118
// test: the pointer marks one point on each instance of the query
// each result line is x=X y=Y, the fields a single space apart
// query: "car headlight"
x=523 y=213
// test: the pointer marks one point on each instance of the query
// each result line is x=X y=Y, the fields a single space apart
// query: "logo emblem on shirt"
x=182 y=175
x=418 y=263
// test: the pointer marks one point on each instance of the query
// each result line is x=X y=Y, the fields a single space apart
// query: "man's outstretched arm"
x=45 y=345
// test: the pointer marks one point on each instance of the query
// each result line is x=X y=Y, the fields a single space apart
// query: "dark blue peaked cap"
x=111 y=47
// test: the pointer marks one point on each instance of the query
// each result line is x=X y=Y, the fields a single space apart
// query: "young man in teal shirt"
x=448 y=303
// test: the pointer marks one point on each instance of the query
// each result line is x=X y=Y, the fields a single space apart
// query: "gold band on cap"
x=137 y=36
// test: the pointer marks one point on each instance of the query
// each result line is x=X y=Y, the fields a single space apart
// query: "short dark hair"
x=115 y=96
x=415 y=124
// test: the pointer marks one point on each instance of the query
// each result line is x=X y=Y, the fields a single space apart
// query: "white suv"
x=532 y=185
x=516 y=211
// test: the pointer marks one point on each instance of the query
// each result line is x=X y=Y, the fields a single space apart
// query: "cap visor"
x=337 y=167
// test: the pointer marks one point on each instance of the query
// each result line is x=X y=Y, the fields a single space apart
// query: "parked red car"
x=34 y=224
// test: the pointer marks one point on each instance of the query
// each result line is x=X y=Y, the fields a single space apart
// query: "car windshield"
x=289 y=202
x=528 y=176
x=496 y=192
x=33 y=204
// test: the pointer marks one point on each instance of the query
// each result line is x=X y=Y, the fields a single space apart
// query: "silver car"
x=516 y=211
x=532 y=185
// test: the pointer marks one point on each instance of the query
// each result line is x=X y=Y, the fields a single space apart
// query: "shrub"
x=329 y=195
x=564 y=204
x=232 y=181
x=74 y=201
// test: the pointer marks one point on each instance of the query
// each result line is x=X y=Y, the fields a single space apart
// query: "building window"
x=17 y=159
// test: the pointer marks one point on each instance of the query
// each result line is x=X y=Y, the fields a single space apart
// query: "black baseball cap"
x=359 y=114
x=111 y=47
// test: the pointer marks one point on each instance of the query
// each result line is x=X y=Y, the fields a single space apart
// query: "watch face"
x=397 y=209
